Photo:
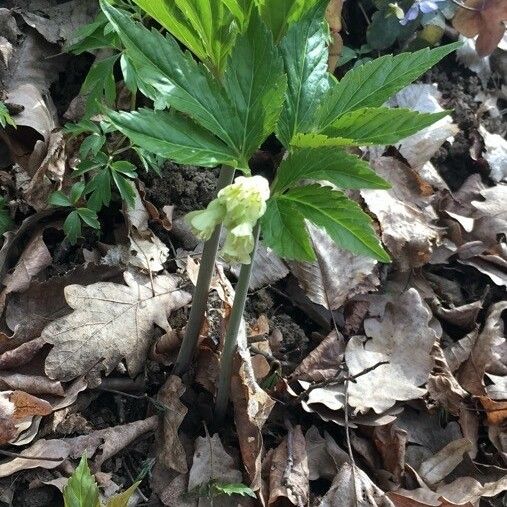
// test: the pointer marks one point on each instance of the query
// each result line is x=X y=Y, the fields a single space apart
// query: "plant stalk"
x=231 y=335
x=206 y=270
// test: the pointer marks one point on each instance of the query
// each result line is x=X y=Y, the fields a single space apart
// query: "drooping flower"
x=238 y=206
x=424 y=6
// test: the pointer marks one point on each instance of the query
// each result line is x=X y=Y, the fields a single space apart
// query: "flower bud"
x=203 y=222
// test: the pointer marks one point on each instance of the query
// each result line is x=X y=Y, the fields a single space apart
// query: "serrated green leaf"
x=282 y=13
x=173 y=136
x=284 y=230
x=76 y=191
x=178 y=79
x=328 y=164
x=255 y=82
x=89 y=217
x=91 y=37
x=226 y=488
x=305 y=54
x=373 y=83
x=82 y=127
x=124 y=167
x=380 y=125
x=99 y=85
x=329 y=209
x=72 y=229
x=125 y=188
x=207 y=27
x=100 y=160
x=100 y=189
x=81 y=489
x=122 y=499
x=59 y=199
x=91 y=145
x=129 y=74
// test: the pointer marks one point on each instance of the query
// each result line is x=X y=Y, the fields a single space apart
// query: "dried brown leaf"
x=110 y=322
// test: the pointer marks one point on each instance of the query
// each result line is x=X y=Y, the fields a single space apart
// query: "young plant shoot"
x=250 y=74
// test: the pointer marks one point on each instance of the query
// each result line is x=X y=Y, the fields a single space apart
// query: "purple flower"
x=424 y=6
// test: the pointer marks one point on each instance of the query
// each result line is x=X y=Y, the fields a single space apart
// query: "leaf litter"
x=400 y=399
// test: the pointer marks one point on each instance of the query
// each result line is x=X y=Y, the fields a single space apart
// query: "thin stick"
x=231 y=335
x=42 y=458
x=206 y=270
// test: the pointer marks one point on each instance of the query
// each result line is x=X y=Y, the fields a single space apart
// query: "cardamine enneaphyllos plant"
x=259 y=67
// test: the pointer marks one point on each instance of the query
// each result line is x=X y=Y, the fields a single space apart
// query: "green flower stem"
x=201 y=292
x=231 y=336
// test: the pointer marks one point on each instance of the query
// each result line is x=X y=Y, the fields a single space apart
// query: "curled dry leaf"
x=485 y=354
x=147 y=251
x=212 y=463
x=405 y=216
x=334 y=19
x=110 y=322
x=17 y=409
x=172 y=454
x=337 y=275
x=495 y=153
x=51 y=453
x=289 y=474
x=404 y=338
x=390 y=442
x=486 y=20
x=353 y=488
x=252 y=406
x=496 y=411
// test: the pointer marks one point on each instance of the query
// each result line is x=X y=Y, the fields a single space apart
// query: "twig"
x=337 y=379
x=290 y=454
x=21 y=456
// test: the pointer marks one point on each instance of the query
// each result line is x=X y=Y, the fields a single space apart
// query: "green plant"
x=6 y=221
x=220 y=111
x=5 y=117
x=214 y=488
x=81 y=490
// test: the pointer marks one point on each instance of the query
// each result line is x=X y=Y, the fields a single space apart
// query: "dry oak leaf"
x=110 y=322
x=404 y=338
x=488 y=22
x=353 y=488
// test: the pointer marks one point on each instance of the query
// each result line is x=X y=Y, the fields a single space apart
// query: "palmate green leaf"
x=380 y=125
x=126 y=190
x=173 y=136
x=280 y=14
x=285 y=232
x=207 y=27
x=305 y=54
x=177 y=78
x=328 y=164
x=81 y=489
x=255 y=83
x=372 y=84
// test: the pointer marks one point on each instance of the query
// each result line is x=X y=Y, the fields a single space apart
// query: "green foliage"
x=329 y=209
x=81 y=490
x=214 y=488
x=5 y=117
x=6 y=222
x=372 y=84
x=304 y=52
x=207 y=27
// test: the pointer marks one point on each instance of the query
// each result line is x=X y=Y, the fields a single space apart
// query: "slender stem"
x=231 y=335
x=200 y=298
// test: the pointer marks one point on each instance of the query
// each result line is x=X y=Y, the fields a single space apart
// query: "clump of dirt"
x=459 y=87
x=186 y=187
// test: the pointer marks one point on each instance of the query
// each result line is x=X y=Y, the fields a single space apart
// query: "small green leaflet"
x=373 y=83
x=173 y=136
x=380 y=125
x=348 y=226
x=81 y=489
x=186 y=85
x=229 y=489
x=328 y=164
x=5 y=117
x=255 y=82
x=305 y=54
